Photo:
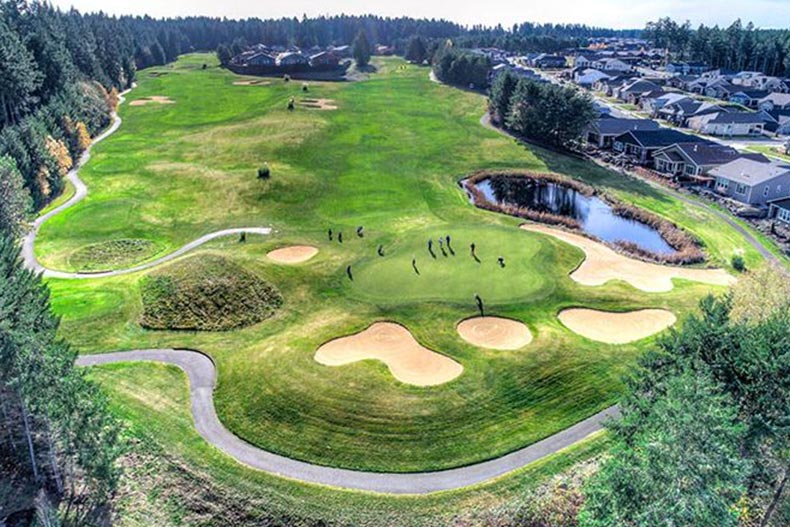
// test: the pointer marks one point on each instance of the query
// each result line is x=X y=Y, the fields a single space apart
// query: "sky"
x=605 y=13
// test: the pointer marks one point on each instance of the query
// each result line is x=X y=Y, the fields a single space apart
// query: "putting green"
x=456 y=275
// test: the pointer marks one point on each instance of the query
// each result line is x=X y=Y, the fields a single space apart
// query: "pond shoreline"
x=687 y=248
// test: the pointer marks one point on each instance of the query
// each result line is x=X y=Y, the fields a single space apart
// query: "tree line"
x=736 y=47
x=542 y=112
x=59 y=443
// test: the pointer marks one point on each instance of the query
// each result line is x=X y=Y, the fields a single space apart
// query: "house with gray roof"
x=774 y=101
x=728 y=124
x=603 y=131
x=692 y=159
x=776 y=121
x=641 y=145
x=752 y=182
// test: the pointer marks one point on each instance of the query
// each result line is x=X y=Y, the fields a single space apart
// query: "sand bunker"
x=394 y=345
x=293 y=254
x=616 y=328
x=254 y=82
x=495 y=333
x=602 y=264
x=318 y=104
x=154 y=99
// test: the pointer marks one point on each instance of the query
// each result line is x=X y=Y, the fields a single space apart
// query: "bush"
x=206 y=293
x=738 y=263
x=264 y=172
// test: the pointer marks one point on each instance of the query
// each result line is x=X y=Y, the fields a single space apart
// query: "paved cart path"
x=202 y=379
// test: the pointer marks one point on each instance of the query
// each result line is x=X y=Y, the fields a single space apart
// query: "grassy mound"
x=112 y=254
x=206 y=293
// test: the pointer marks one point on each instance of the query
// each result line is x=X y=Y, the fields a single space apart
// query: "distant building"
x=292 y=58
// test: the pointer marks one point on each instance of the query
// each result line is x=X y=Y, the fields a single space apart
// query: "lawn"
x=387 y=159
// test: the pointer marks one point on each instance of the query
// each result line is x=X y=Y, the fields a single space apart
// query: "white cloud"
x=607 y=13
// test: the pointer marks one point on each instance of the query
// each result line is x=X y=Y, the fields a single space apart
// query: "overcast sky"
x=608 y=13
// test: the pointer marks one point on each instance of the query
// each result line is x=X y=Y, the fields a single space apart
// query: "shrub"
x=206 y=293
x=264 y=172
x=738 y=263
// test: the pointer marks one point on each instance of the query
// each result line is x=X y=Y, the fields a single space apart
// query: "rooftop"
x=750 y=172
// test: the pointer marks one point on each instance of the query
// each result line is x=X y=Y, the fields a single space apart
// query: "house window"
x=765 y=191
x=740 y=189
x=722 y=184
x=783 y=215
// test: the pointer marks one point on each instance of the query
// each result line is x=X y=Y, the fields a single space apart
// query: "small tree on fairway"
x=362 y=49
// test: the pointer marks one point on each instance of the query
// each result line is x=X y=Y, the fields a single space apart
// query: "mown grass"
x=173 y=477
x=388 y=159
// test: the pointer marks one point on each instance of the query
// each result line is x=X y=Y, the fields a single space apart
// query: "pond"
x=594 y=215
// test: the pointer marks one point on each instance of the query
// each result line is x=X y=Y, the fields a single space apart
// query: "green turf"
x=388 y=159
x=189 y=482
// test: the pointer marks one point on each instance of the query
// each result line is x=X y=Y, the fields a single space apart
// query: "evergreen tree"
x=224 y=54
x=15 y=200
x=416 y=50
x=19 y=77
x=361 y=49
x=502 y=90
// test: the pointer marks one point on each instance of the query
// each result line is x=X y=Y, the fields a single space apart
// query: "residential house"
x=728 y=124
x=643 y=144
x=752 y=182
x=692 y=159
x=681 y=82
x=774 y=101
x=610 y=85
x=587 y=77
x=324 y=59
x=746 y=78
x=686 y=68
x=779 y=210
x=653 y=105
x=719 y=89
x=647 y=101
x=719 y=73
x=612 y=64
x=776 y=121
x=680 y=111
x=292 y=58
x=585 y=60
x=342 y=52
x=633 y=91
x=546 y=61
x=260 y=58
x=603 y=131
x=749 y=98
